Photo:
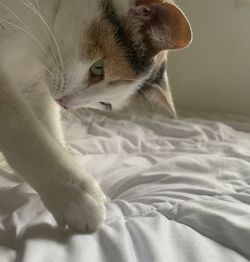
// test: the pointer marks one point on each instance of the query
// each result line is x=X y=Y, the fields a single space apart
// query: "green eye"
x=97 y=69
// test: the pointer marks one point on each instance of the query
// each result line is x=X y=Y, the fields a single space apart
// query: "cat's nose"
x=64 y=102
x=60 y=102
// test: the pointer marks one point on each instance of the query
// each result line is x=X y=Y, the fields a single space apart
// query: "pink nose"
x=60 y=102
x=64 y=102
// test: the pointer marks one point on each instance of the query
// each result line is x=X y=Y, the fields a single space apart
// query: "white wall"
x=214 y=73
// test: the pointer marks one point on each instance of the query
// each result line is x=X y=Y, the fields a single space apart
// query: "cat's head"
x=114 y=51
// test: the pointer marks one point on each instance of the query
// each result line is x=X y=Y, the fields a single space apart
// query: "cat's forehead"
x=101 y=43
x=102 y=29
x=108 y=35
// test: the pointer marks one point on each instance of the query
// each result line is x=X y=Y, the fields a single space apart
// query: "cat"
x=57 y=54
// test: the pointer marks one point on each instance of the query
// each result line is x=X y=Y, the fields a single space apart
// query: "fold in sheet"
x=179 y=191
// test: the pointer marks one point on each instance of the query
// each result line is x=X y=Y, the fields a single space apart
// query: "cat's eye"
x=97 y=69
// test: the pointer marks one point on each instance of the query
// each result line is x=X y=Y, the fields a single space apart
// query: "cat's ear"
x=155 y=92
x=161 y=98
x=164 y=24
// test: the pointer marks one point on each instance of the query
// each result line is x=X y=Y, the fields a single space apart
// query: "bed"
x=179 y=191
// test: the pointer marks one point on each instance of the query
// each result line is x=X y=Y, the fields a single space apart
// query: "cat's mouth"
x=107 y=106
x=102 y=105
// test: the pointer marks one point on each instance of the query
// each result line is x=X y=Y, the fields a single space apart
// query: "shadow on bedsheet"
x=39 y=232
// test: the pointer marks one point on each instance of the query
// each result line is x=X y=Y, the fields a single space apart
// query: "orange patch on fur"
x=102 y=45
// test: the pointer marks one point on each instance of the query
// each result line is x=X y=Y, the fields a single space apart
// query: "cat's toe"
x=78 y=203
x=86 y=212
x=88 y=218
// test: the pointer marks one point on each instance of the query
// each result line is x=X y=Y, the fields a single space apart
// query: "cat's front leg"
x=48 y=112
x=72 y=196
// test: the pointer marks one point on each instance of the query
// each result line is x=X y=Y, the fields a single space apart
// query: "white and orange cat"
x=77 y=53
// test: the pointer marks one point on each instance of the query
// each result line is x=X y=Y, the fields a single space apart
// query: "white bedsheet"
x=179 y=190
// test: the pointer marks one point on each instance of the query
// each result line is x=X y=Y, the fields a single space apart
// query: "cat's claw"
x=80 y=206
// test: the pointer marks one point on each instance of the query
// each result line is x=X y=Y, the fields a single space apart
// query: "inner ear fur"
x=156 y=89
x=164 y=24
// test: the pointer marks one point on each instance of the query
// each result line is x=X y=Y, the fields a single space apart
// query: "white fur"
x=41 y=60
x=30 y=135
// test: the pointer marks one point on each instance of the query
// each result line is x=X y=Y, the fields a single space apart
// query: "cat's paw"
x=76 y=203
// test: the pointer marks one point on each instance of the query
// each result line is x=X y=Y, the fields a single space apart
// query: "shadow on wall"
x=214 y=73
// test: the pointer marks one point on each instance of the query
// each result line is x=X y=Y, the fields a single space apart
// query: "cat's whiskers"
x=43 y=66
x=53 y=59
x=37 y=12
x=26 y=28
x=48 y=37
x=44 y=51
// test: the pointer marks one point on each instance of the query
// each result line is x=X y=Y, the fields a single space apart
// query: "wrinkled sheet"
x=179 y=192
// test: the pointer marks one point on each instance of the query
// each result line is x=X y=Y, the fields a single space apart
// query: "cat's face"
x=110 y=51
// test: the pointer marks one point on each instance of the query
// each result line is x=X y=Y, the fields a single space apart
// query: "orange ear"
x=164 y=24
